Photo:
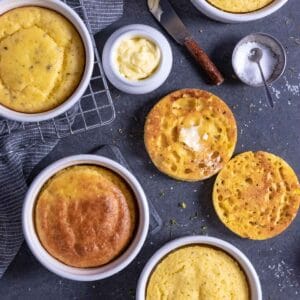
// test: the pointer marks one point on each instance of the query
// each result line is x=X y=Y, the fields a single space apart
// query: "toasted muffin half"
x=256 y=195
x=190 y=134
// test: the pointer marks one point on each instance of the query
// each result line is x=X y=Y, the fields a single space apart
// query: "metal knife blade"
x=163 y=11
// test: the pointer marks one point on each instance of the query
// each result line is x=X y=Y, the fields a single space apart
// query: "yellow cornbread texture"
x=198 y=272
x=190 y=134
x=256 y=195
x=85 y=216
x=240 y=6
x=42 y=59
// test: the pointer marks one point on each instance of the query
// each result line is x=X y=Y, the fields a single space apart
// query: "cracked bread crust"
x=85 y=216
x=42 y=59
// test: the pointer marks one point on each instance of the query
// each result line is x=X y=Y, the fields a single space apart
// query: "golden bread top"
x=198 y=272
x=42 y=59
x=240 y=6
x=256 y=195
x=190 y=134
x=85 y=216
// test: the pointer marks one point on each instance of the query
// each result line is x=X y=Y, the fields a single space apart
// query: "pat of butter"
x=190 y=137
x=205 y=136
x=137 y=58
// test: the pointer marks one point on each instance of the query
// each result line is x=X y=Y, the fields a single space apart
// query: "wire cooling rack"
x=95 y=109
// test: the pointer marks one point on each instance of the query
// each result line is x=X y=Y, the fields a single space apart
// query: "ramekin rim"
x=58 y=267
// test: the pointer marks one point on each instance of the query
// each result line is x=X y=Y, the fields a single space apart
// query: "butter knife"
x=164 y=13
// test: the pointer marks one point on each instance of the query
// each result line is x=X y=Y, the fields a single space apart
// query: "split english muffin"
x=190 y=134
x=256 y=195
x=85 y=216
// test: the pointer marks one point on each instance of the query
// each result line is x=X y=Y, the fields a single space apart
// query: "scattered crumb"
x=293 y=88
x=276 y=92
x=195 y=216
x=172 y=222
x=203 y=230
x=285 y=275
x=182 y=205
x=296 y=40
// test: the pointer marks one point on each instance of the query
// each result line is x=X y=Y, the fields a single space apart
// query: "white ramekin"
x=72 y=16
x=226 y=17
x=87 y=274
x=137 y=86
x=253 y=280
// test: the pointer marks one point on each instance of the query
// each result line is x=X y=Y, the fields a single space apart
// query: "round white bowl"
x=253 y=280
x=137 y=86
x=266 y=40
x=72 y=16
x=226 y=17
x=84 y=274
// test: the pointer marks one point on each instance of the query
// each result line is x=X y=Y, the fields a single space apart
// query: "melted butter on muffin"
x=42 y=59
x=85 y=216
x=198 y=272
x=190 y=134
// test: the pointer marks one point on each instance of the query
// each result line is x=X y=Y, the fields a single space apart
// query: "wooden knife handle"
x=204 y=61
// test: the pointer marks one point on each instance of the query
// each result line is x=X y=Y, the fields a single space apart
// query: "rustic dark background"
x=277 y=261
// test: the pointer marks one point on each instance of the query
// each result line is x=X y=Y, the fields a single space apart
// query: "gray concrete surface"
x=277 y=260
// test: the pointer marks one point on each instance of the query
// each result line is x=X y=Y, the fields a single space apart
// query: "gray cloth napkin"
x=17 y=159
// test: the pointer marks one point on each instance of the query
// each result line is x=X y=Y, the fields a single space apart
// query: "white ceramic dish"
x=137 y=86
x=88 y=274
x=266 y=40
x=69 y=13
x=226 y=17
x=253 y=280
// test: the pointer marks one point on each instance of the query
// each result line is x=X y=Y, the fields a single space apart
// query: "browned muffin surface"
x=85 y=216
x=190 y=134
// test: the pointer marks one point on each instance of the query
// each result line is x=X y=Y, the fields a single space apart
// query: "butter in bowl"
x=137 y=59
